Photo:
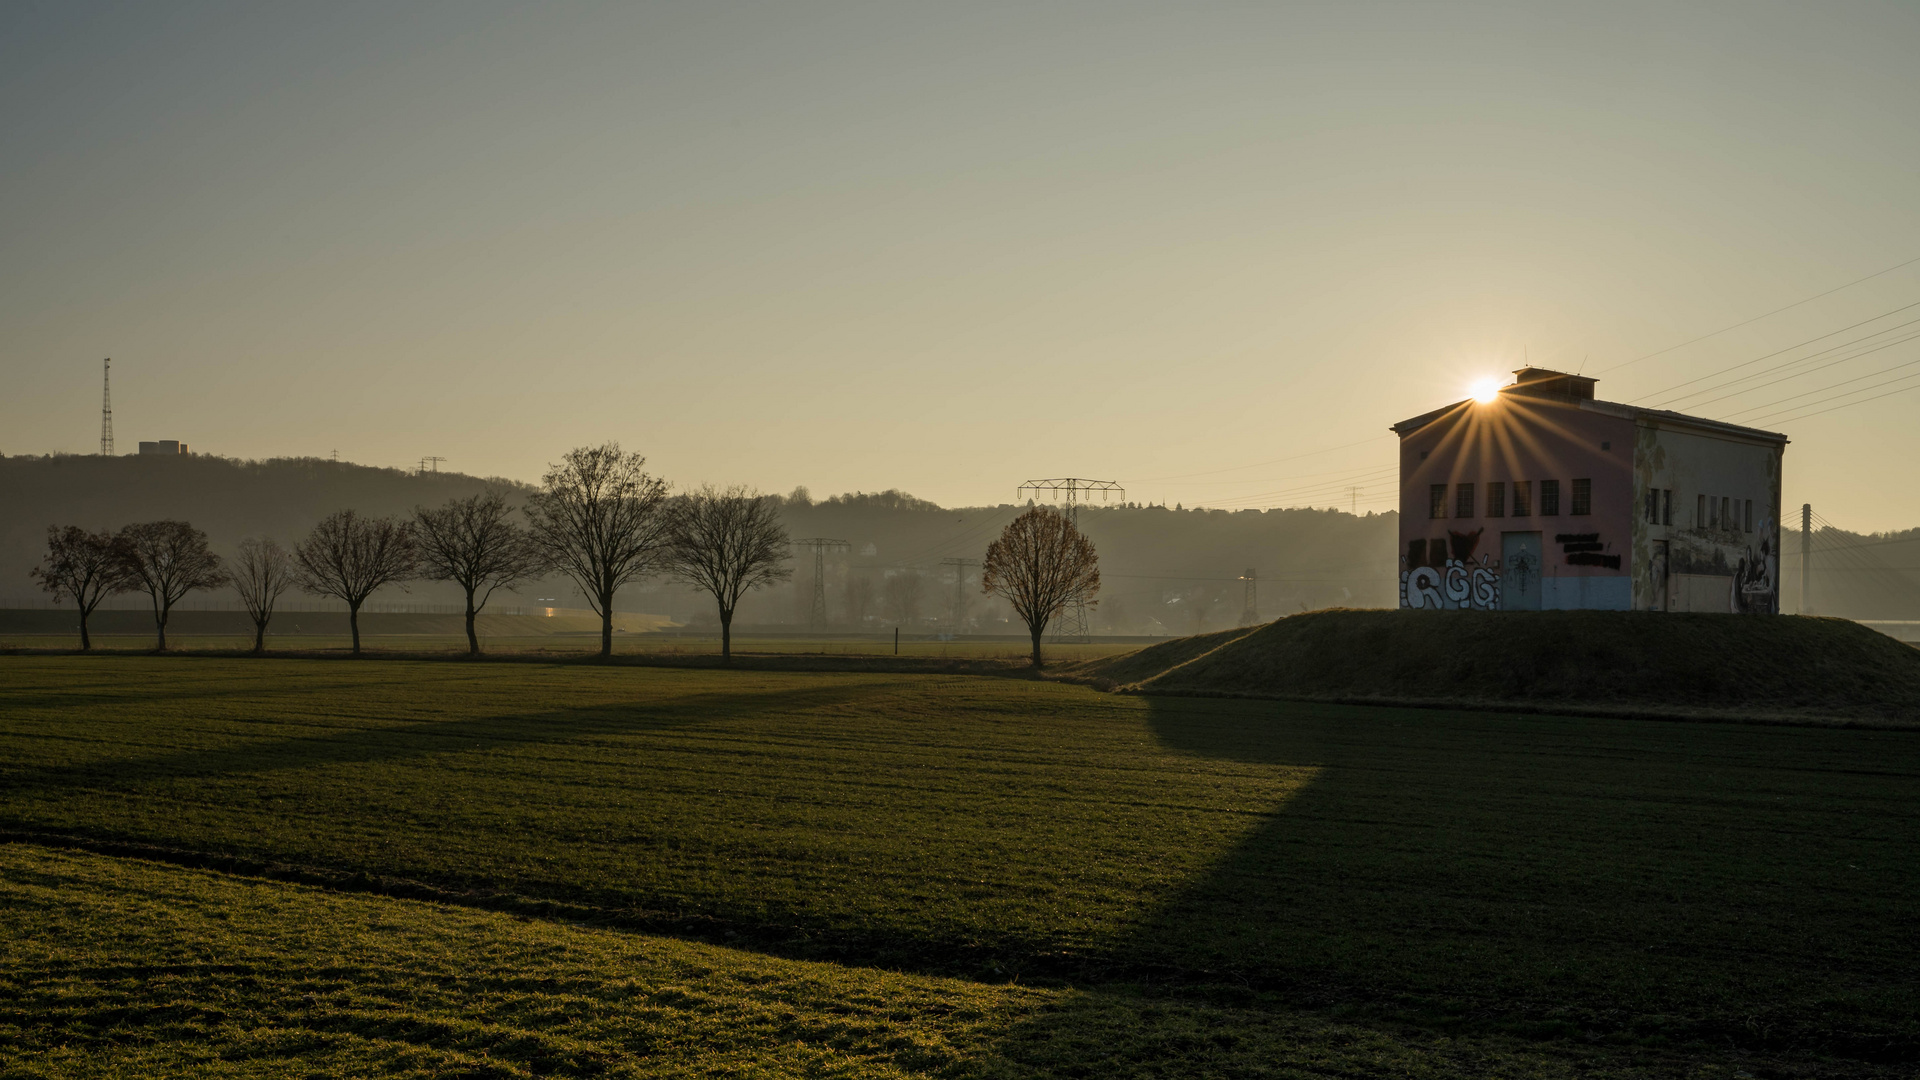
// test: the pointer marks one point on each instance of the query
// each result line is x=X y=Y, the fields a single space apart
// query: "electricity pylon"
x=817 y=616
x=1250 y=614
x=960 y=567
x=1071 y=624
x=435 y=458
x=106 y=407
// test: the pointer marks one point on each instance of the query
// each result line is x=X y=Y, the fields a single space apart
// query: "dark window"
x=1416 y=553
x=1424 y=453
x=1726 y=514
x=1653 y=506
x=1549 y=497
x=1666 y=506
x=1439 y=549
x=1606 y=446
x=1497 y=499
x=1437 y=507
x=1749 y=515
x=1582 y=497
x=1700 y=512
x=1463 y=500
x=1522 y=498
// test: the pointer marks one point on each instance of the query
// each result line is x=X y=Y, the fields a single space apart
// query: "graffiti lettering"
x=1458 y=585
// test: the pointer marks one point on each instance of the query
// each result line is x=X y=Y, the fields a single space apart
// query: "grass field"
x=1641 y=887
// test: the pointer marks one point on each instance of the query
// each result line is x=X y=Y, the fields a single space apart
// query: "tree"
x=169 y=559
x=473 y=542
x=347 y=556
x=262 y=572
x=725 y=543
x=86 y=567
x=903 y=592
x=600 y=521
x=1040 y=564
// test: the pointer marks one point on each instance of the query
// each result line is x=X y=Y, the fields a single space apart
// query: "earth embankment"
x=1606 y=662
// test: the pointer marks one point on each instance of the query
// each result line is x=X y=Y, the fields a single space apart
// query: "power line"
x=1757 y=318
x=1774 y=418
x=1807 y=371
x=1768 y=356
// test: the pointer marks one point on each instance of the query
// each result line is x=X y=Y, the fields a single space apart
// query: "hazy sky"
x=949 y=247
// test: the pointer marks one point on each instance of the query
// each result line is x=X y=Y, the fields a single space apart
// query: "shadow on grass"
x=1640 y=882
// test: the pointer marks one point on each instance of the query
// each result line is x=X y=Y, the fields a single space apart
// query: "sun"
x=1485 y=390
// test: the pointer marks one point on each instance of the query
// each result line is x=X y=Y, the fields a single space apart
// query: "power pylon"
x=1071 y=625
x=106 y=407
x=960 y=567
x=1250 y=613
x=817 y=617
x=435 y=458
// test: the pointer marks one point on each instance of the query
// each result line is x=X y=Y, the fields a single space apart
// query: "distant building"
x=164 y=446
x=1543 y=497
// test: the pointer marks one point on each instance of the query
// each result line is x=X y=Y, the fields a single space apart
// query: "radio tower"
x=817 y=615
x=106 y=407
x=1071 y=624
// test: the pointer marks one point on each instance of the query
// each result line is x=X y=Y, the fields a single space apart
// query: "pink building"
x=1546 y=498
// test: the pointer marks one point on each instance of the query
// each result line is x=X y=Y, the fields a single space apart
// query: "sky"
x=1210 y=251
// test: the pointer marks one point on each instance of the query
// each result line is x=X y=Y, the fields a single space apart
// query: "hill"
x=1712 y=666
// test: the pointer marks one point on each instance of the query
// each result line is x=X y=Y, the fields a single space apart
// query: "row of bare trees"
x=599 y=519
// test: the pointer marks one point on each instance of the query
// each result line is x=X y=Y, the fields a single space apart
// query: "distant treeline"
x=1164 y=570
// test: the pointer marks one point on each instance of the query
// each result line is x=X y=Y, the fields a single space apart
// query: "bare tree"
x=474 y=542
x=169 y=559
x=601 y=522
x=724 y=543
x=263 y=571
x=903 y=592
x=859 y=599
x=348 y=556
x=85 y=567
x=1040 y=564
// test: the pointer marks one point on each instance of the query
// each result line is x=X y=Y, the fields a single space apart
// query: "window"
x=1497 y=498
x=1550 y=497
x=1749 y=516
x=1439 y=550
x=1463 y=500
x=1437 y=507
x=1582 y=497
x=1653 y=506
x=1727 y=509
x=1522 y=498
x=1424 y=453
x=1666 y=504
x=1416 y=553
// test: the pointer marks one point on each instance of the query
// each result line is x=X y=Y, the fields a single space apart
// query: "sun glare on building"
x=1485 y=390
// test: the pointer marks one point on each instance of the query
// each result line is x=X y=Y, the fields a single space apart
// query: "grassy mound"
x=1609 y=661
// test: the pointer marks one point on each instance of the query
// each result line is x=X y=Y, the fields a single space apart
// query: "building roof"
x=1577 y=391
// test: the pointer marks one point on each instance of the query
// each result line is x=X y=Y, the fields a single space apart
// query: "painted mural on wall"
x=1747 y=558
x=1446 y=574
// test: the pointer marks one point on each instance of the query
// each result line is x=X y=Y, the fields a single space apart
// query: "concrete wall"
x=1712 y=560
x=1576 y=561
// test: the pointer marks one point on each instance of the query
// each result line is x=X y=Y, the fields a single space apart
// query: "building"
x=1539 y=496
x=168 y=447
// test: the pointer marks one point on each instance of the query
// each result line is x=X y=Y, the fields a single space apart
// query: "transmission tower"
x=106 y=407
x=435 y=459
x=1250 y=613
x=817 y=616
x=960 y=567
x=1071 y=625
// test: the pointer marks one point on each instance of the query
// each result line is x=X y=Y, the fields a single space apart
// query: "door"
x=1657 y=577
x=1520 y=571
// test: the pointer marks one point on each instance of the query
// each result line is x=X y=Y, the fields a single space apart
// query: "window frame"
x=1437 y=502
x=1549 y=498
x=1496 y=498
x=1581 y=500
x=1523 y=498
x=1463 y=500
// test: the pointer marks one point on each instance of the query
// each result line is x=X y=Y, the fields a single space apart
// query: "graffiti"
x=1464 y=543
x=1523 y=569
x=1753 y=582
x=1456 y=585
x=1584 y=549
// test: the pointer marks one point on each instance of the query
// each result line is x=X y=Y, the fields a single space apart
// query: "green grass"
x=126 y=968
x=1639 y=883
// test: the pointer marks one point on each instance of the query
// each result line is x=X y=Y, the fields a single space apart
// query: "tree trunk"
x=86 y=643
x=473 y=639
x=1037 y=631
x=606 y=626
x=259 y=636
x=353 y=623
x=160 y=626
x=726 y=638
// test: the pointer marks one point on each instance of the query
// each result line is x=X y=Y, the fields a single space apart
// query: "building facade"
x=1544 y=497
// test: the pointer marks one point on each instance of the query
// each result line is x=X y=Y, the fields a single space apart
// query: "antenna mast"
x=106 y=407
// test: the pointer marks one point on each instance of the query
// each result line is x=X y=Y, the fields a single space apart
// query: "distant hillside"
x=1787 y=666
x=1165 y=571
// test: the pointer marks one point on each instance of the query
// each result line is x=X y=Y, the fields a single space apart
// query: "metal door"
x=1657 y=577
x=1520 y=571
